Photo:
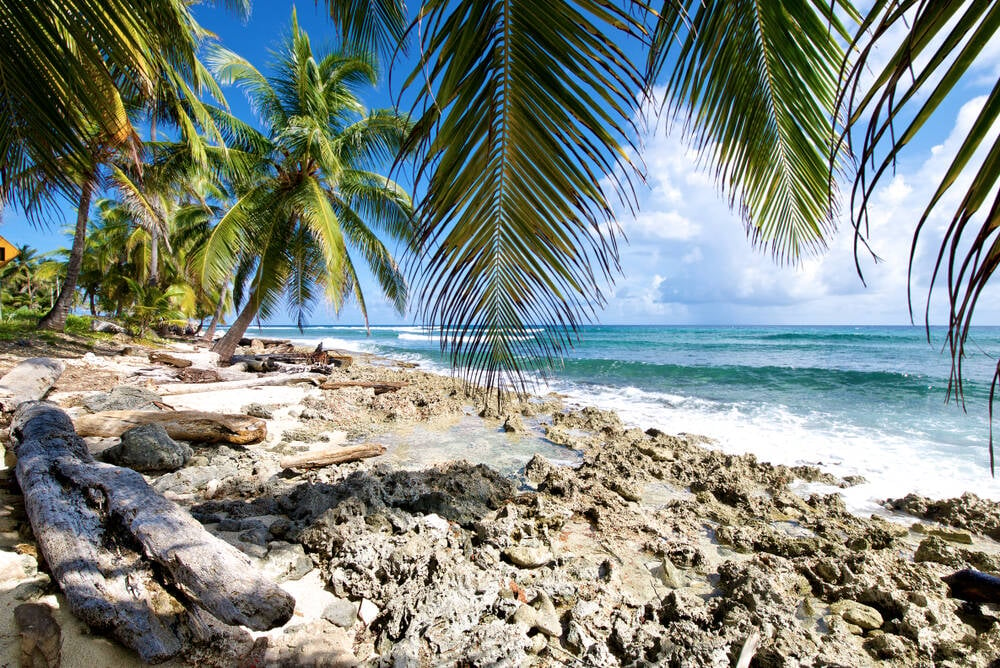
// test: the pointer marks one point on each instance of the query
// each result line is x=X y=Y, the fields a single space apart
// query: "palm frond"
x=524 y=108
x=374 y=25
x=756 y=83
x=941 y=44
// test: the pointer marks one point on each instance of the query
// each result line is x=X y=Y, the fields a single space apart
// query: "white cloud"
x=689 y=260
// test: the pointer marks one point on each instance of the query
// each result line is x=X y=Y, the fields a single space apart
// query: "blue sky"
x=688 y=259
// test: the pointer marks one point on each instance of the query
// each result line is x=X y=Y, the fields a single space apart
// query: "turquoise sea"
x=854 y=400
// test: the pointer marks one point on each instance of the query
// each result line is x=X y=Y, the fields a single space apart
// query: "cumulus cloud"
x=689 y=260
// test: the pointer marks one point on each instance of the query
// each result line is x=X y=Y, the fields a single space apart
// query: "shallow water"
x=866 y=401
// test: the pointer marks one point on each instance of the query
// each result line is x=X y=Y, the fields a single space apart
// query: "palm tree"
x=317 y=198
x=73 y=78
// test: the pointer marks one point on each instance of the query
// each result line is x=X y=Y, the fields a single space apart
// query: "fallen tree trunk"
x=167 y=358
x=276 y=379
x=195 y=426
x=329 y=456
x=30 y=380
x=380 y=387
x=130 y=562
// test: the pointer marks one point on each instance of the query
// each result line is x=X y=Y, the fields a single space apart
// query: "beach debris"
x=41 y=637
x=171 y=360
x=973 y=586
x=129 y=561
x=380 y=387
x=328 y=456
x=266 y=381
x=30 y=380
x=122 y=397
x=748 y=650
x=148 y=448
x=195 y=375
x=106 y=327
x=193 y=426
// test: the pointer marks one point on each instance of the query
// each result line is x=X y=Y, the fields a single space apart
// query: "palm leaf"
x=941 y=44
x=524 y=107
x=756 y=84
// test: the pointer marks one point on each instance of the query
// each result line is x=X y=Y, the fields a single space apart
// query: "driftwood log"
x=30 y=380
x=194 y=426
x=329 y=456
x=276 y=379
x=167 y=358
x=973 y=586
x=380 y=387
x=130 y=562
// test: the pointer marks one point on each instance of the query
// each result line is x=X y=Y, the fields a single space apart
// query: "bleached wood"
x=194 y=426
x=30 y=380
x=168 y=389
x=329 y=456
x=130 y=562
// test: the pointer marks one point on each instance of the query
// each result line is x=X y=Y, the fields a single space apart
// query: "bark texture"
x=131 y=563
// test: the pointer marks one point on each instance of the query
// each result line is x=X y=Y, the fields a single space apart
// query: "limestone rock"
x=148 y=447
x=528 y=557
x=341 y=612
x=858 y=614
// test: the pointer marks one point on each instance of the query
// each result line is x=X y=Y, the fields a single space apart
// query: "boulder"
x=148 y=447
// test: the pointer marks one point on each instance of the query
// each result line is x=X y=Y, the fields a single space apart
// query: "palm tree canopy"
x=316 y=196
x=71 y=70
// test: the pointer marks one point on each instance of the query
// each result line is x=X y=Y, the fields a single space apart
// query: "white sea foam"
x=893 y=465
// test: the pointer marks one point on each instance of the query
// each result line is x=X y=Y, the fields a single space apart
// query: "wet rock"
x=514 y=424
x=858 y=614
x=148 y=447
x=528 y=557
x=122 y=397
x=966 y=512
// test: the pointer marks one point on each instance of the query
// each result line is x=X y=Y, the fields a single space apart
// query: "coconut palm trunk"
x=216 y=317
x=226 y=346
x=55 y=319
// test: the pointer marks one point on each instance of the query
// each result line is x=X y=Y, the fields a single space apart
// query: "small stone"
x=367 y=612
x=435 y=521
x=212 y=488
x=528 y=557
x=148 y=447
x=538 y=643
x=258 y=411
x=668 y=574
x=341 y=612
x=856 y=613
x=546 y=619
x=286 y=561
x=280 y=527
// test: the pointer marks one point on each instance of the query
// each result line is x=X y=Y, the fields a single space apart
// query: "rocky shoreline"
x=655 y=550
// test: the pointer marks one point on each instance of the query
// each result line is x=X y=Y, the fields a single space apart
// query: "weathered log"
x=328 y=456
x=194 y=375
x=30 y=380
x=246 y=341
x=167 y=358
x=973 y=586
x=130 y=562
x=380 y=387
x=276 y=379
x=194 y=426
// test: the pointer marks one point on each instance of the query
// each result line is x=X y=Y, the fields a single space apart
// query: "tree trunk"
x=154 y=257
x=216 y=317
x=226 y=346
x=29 y=381
x=194 y=426
x=130 y=562
x=93 y=303
x=55 y=319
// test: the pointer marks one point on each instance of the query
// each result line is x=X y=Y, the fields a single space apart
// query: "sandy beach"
x=542 y=534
